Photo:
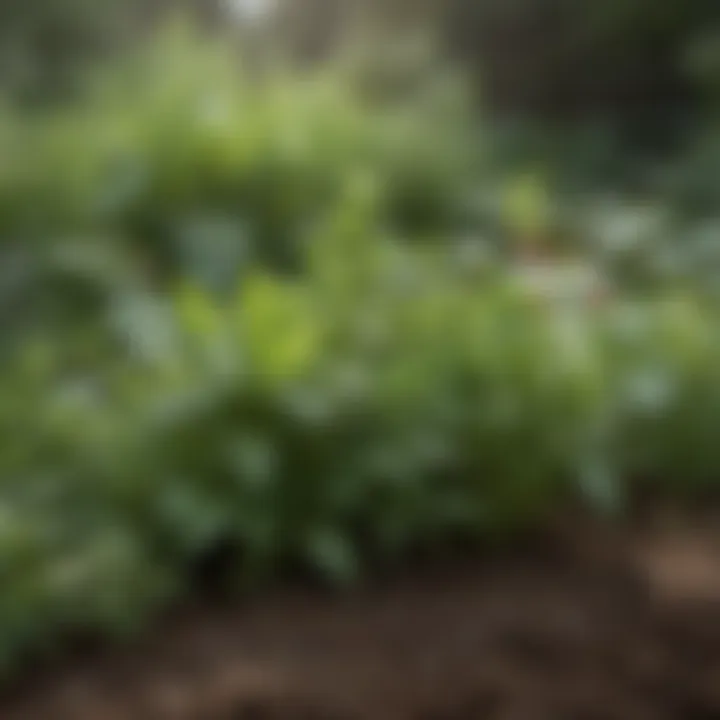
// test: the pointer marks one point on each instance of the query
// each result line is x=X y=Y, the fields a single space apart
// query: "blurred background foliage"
x=321 y=282
x=556 y=58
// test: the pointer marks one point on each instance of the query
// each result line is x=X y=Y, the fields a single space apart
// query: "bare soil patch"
x=588 y=622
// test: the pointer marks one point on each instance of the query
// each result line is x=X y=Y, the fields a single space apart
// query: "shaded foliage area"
x=561 y=58
x=630 y=62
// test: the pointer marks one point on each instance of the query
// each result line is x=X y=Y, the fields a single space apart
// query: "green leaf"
x=331 y=551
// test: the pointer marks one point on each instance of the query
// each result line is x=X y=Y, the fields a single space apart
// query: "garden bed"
x=585 y=622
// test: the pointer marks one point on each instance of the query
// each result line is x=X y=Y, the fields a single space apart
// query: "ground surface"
x=583 y=624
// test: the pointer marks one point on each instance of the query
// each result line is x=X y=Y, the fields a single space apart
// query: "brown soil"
x=586 y=624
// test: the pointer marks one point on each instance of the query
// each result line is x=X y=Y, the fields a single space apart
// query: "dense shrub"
x=171 y=390
x=182 y=144
x=385 y=397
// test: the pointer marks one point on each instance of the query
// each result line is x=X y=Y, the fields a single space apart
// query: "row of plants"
x=384 y=398
x=273 y=317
